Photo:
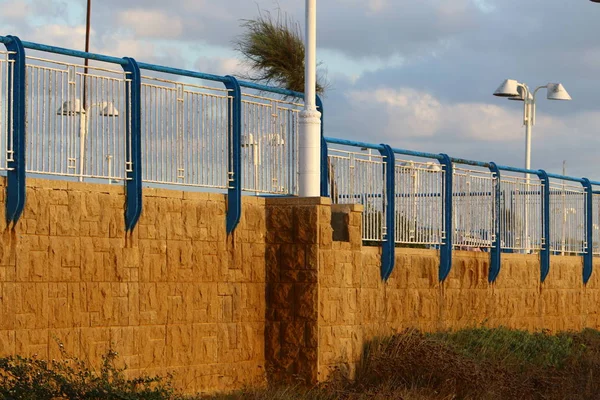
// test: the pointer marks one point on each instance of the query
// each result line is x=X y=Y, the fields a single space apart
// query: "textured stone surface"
x=292 y=261
x=278 y=299
x=175 y=295
x=356 y=306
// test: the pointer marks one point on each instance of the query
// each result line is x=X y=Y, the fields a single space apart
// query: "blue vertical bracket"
x=324 y=159
x=446 y=247
x=545 y=252
x=588 y=262
x=388 y=251
x=496 y=250
x=15 y=178
x=133 y=114
x=234 y=191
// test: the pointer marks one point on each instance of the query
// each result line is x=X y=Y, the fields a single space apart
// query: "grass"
x=478 y=363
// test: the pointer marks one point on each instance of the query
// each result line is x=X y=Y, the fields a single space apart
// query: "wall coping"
x=298 y=201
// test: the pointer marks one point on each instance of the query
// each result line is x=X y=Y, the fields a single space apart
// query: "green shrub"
x=70 y=378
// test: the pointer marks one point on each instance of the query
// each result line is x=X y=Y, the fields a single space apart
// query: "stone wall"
x=177 y=295
x=277 y=301
x=355 y=306
x=292 y=262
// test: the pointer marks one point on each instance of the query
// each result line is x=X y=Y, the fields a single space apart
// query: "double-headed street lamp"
x=520 y=91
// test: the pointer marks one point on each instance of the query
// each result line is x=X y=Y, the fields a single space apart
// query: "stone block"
x=34 y=262
x=64 y=343
x=280 y=295
x=204 y=344
x=32 y=342
x=305 y=300
x=305 y=221
x=153 y=351
x=292 y=333
x=153 y=298
x=252 y=302
x=179 y=343
x=280 y=225
x=7 y=343
x=95 y=343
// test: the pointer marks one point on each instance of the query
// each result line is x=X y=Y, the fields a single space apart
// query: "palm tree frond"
x=274 y=50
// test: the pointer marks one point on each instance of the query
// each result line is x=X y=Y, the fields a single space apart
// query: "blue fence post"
x=545 y=252
x=324 y=159
x=588 y=261
x=388 y=251
x=446 y=247
x=234 y=191
x=15 y=177
x=496 y=250
x=133 y=134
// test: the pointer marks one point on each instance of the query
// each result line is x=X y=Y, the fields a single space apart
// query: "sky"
x=416 y=74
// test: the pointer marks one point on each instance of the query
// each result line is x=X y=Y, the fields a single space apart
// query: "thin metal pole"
x=309 y=146
x=311 y=59
x=529 y=109
x=87 y=48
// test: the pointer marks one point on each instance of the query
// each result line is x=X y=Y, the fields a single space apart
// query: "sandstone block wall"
x=355 y=306
x=177 y=295
x=292 y=262
x=278 y=300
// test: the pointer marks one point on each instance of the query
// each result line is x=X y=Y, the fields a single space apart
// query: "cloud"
x=356 y=28
x=406 y=113
x=15 y=9
x=416 y=74
x=61 y=35
x=220 y=66
x=125 y=46
x=147 y=23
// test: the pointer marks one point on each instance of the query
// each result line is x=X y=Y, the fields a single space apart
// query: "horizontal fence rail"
x=419 y=202
x=521 y=213
x=184 y=133
x=75 y=120
x=6 y=85
x=270 y=144
x=567 y=218
x=596 y=222
x=357 y=177
x=473 y=201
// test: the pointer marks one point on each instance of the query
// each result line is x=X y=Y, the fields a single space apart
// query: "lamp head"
x=433 y=167
x=275 y=139
x=249 y=140
x=509 y=88
x=521 y=96
x=109 y=110
x=557 y=91
x=71 y=107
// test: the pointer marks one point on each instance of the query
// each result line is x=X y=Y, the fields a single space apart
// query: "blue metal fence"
x=136 y=123
x=458 y=204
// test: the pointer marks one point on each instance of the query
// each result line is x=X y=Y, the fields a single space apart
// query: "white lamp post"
x=309 y=179
x=73 y=107
x=519 y=91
